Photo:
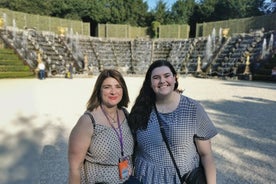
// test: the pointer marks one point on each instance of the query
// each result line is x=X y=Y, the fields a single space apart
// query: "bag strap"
x=92 y=119
x=125 y=112
x=88 y=154
x=162 y=130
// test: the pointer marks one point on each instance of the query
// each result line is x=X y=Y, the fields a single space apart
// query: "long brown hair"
x=140 y=112
x=95 y=99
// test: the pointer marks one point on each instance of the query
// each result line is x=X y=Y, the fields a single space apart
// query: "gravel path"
x=37 y=117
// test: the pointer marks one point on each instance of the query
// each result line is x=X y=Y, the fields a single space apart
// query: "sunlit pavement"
x=37 y=116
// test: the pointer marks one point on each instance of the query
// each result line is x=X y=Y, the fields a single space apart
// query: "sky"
x=152 y=3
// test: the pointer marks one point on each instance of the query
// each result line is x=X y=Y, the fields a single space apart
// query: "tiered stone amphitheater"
x=243 y=56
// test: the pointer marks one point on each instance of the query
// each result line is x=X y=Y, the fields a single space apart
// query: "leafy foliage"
x=182 y=10
x=137 y=13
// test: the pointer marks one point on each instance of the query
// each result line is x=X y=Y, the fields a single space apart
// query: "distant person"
x=101 y=143
x=273 y=73
x=186 y=125
x=41 y=70
x=70 y=71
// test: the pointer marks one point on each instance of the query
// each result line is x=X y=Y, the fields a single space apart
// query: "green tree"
x=59 y=8
x=205 y=9
x=33 y=7
x=69 y=9
x=5 y=4
x=236 y=9
x=181 y=11
x=116 y=11
x=160 y=12
x=215 y=10
x=99 y=11
x=136 y=12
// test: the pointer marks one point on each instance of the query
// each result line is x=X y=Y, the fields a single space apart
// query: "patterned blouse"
x=102 y=158
x=153 y=163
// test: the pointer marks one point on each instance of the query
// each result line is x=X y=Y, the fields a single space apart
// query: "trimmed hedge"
x=5 y=75
x=14 y=68
x=11 y=66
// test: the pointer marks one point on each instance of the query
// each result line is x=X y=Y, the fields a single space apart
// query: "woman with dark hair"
x=187 y=127
x=101 y=143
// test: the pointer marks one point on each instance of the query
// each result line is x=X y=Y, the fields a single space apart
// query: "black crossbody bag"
x=197 y=175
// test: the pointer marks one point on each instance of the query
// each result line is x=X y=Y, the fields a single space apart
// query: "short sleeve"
x=205 y=128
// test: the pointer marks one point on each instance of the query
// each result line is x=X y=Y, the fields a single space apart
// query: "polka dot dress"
x=104 y=153
x=153 y=163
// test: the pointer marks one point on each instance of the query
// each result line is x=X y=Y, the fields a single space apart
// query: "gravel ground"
x=37 y=117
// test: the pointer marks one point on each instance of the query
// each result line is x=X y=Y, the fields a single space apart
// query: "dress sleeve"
x=205 y=128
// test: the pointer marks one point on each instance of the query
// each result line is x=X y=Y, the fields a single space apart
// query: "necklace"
x=113 y=119
x=109 y=117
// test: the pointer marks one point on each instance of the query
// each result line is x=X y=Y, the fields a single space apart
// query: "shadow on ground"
x=34 y=149
x=32 y=154
x=245 y=146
